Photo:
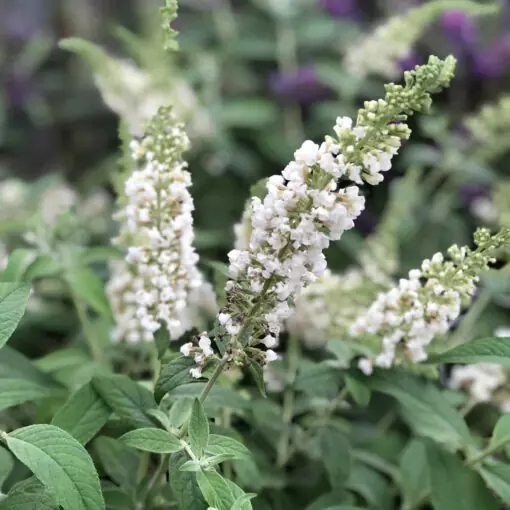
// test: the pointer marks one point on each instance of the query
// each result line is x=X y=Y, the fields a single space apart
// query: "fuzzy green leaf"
x=215 y=490
x=173 y=375
x=454 y=485
x=126 y=398
x=162 y=341
x=501 y=434
x=224 y=444
x=117 y=499
x=152 y=440
x=13 y=302
x=241 y=502
x=336 y=456
x=83 y=415
x=497 y=477
x=184 y=485
x=60 y=463
x=483 y=350
x=198 y=430
x=30 y=494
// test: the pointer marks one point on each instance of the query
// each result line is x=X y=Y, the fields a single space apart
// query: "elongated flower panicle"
x=307 y=206
x=157 y=231
x=406 y=319
x=488 y=130
x=382 y=51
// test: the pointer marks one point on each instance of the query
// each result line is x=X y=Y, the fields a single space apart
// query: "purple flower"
x=491 y=62
x=409 y=62
x=340 y=8
x=470 y=193
x=459 y=28
x=19 y=90
x=300 y=86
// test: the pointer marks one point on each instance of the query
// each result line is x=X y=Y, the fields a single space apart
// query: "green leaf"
x=117 y=499
x=43 y=266
x=191 y=465
x=152 y=440
x=424 y=408
x=126 y=398
x=223 y=444
x=17 y=391
x=83 y=415
x=13 y=302
x=86 y=285
x=162 y=418
x=414 y=473
x=184 y=485
x=6 y=465
x=173 y=375
x=239 y=494
x=241 y=502
x=17 y=263
x=370 y=484
x=120 y=462
x=359 y=391
x=215 y=490
x=257 y=373
x=454 y=485
x=248 y=113
x=501 y=433
x=198 y=429
x=484 y=350
x=497 y=477
x=162 y=341
x=30 y=494
x=60 y=463
x=336 y=456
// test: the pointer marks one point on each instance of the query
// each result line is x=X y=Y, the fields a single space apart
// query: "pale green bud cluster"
x=490 y=130
x=381 y=51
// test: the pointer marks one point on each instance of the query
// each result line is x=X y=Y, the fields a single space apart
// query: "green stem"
x=288 y=401
x=163 y=465
x=288 y=62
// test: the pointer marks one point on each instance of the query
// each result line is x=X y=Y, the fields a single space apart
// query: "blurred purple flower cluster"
x=340 y=8
x=299 y=86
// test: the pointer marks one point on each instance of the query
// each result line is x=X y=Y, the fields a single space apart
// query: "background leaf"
x=173 y=375
x=184 y=485
x=30 y=494
x=484 y=350
x=336 y=455
x=83 y=415
x=126 y=398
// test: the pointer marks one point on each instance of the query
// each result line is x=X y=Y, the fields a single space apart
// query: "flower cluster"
x=309 y=205
x=157 y=232
x=325 y=309
x=488 y=130
x=405 y=320
x=484 y=382
x=201 y=352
